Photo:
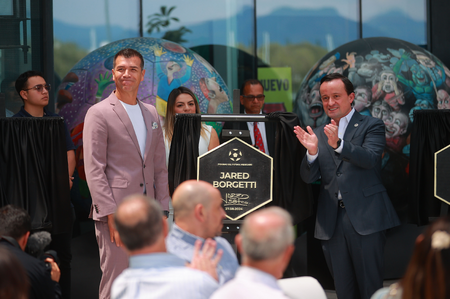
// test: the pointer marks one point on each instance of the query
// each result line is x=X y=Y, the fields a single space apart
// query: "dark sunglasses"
x=259 y=97
x=40 y=87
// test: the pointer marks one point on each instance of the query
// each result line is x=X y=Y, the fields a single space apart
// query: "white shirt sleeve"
x=312 y=158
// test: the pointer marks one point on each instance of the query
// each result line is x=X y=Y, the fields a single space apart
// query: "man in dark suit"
x=354 y=209
x=252 y=99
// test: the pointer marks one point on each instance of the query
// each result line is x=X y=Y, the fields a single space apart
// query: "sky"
x=126 y=13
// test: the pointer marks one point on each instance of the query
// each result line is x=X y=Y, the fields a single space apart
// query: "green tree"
x=299 y=57
x=66 y=55
x=157 y=21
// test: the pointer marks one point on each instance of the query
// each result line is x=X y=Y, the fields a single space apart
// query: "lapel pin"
x=155 y=125
x=356 y=125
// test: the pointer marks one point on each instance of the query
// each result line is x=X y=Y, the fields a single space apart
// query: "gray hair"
x=271 y=243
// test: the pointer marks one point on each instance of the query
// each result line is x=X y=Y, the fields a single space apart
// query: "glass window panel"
x=402 y=19
x=222 y=32
x=295 y=35
x=6 y=7
x=84 y=25
x=20 y=49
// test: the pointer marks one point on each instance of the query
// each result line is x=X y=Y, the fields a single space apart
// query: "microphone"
x=37 y=243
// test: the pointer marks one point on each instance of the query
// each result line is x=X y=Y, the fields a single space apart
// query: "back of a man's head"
x=138 y=220
x=14 y=222
x=266 y=234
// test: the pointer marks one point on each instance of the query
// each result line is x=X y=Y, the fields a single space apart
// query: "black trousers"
x=356 y=262
x=61 y=243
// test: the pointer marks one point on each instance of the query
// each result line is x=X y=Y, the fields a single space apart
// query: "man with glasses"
x=261 y=133
x=34 y=92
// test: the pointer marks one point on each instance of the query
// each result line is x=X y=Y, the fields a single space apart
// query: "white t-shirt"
x=135 y=115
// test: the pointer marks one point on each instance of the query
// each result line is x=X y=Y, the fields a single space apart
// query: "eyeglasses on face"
x=40 y=87
x=259 y=97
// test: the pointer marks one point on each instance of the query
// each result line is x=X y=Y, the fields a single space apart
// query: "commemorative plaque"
x=242 y=173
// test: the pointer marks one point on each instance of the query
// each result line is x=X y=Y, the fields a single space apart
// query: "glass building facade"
x=238 y=38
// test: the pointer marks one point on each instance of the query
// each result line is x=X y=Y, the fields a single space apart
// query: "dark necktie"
x=258 y=138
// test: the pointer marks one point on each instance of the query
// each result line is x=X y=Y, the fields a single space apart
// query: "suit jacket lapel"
x=149 y=121
x=125 y=119
x=353 y=126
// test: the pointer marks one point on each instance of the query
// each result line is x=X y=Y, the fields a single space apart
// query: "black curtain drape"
x=34 y=170
x=290 y=192
x=184 y=150
x=430 y=133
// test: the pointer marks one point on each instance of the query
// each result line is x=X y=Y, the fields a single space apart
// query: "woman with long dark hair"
x=183 y=100
x=428 y=273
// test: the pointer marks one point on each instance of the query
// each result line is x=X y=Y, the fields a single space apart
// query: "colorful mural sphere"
x=392 y=79
x=167 y=66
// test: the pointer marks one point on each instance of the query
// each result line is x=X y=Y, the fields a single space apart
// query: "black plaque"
x=442 y=169
x=242 y=173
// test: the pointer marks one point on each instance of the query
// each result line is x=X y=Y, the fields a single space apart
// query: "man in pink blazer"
x=123 y=154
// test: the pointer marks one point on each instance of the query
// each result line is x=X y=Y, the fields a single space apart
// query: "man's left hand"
x=331 y=130
x=205 y=260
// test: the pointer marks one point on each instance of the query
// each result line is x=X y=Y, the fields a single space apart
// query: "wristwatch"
x=166 y=213
x=338 y=144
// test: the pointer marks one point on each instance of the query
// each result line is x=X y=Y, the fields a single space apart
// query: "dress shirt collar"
x=253 y=274
x=184 y=235
x=343 y=123
x=348 y=117
x=156 y=260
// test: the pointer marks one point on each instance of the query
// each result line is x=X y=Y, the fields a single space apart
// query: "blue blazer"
x=356 y=172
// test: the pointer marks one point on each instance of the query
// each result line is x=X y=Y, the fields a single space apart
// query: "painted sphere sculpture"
x=391 y=78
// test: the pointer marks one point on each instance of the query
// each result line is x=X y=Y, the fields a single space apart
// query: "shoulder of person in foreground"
x=173 y=282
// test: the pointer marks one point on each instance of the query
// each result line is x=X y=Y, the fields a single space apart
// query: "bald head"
x=198 y=209
x=191 y=193
x=139 y=222
x=266 y=233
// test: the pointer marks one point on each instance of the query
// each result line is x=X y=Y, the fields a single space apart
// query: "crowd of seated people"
x=193 y=261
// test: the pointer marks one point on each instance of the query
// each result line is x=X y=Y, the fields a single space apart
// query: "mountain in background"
x=396 y=24
x=324 y=27
x=89 y=37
